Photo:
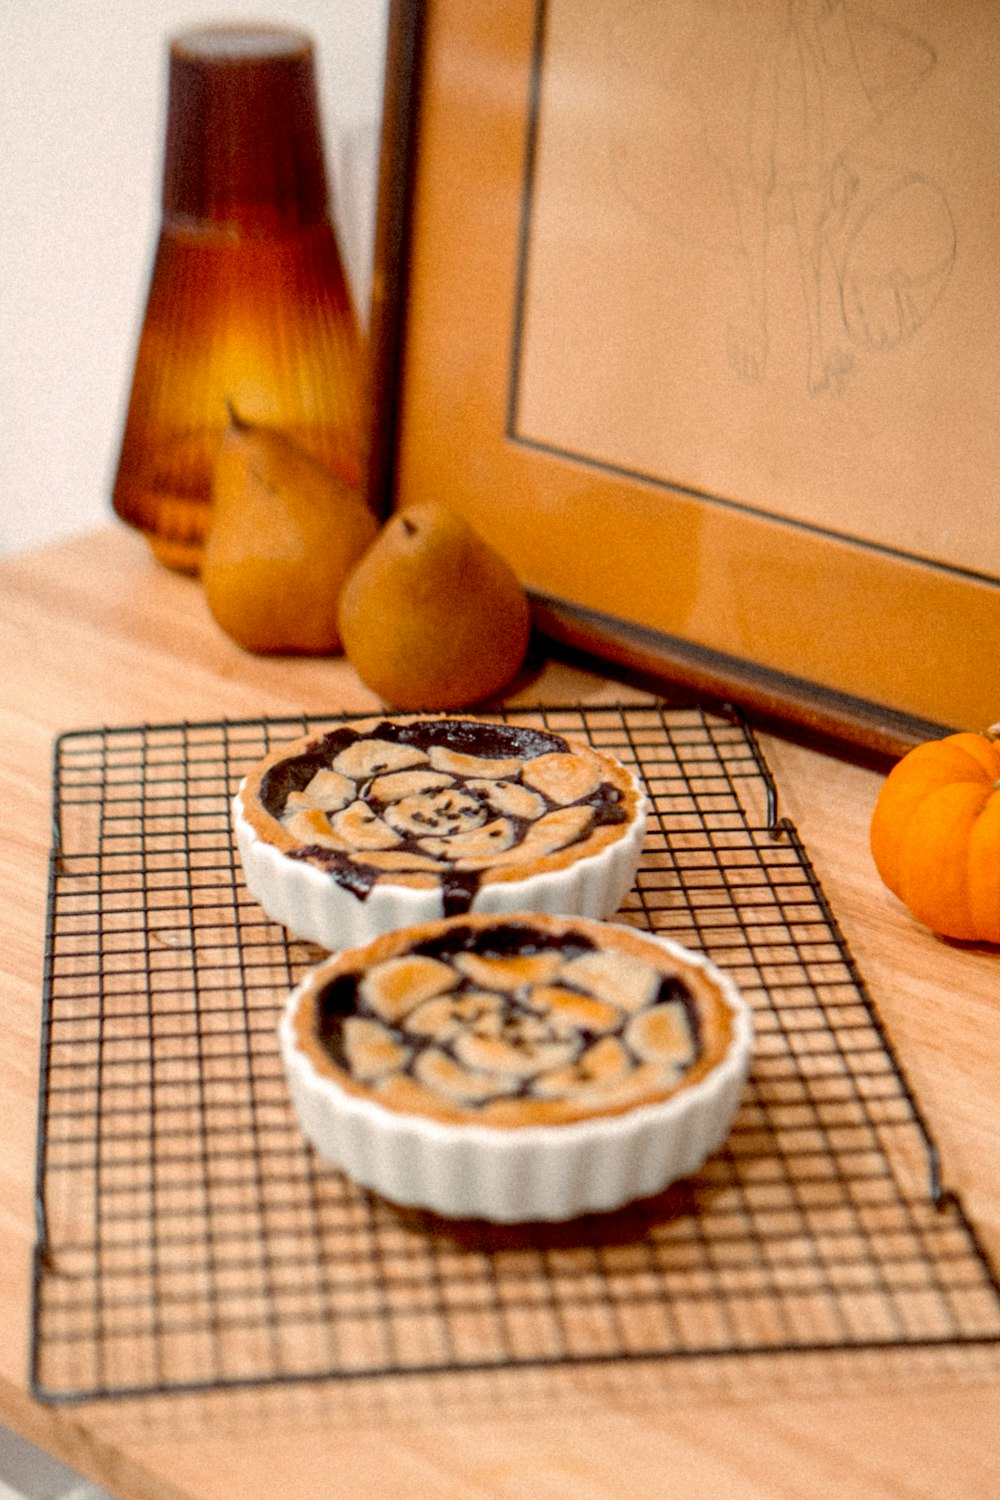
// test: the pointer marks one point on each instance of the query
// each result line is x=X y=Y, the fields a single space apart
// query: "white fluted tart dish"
x=516 y=1067
x=388 y=821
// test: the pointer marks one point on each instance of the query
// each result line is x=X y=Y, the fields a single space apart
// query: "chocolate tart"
x=516 y=1067
x=383 y=822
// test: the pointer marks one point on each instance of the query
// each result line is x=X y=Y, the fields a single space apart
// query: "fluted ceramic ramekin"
x=516 y=1068
x=386 y=822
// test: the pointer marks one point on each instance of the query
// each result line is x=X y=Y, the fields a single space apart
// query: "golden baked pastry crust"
x=511 y=1021
x=387 y=799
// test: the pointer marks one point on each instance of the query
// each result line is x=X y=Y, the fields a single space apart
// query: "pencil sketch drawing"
x=782 y=108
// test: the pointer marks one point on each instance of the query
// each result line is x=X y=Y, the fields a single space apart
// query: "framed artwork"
x=692 y=308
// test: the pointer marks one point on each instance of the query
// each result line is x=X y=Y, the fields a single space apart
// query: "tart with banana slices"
x=516 y=1067
x=383 y=822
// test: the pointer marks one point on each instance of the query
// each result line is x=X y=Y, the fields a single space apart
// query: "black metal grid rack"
x=188 y=1238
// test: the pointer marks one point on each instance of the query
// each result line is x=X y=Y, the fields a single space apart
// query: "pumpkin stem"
x=993 y=733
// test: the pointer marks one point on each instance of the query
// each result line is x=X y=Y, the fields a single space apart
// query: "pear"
x=433 y=616
x=284 y=533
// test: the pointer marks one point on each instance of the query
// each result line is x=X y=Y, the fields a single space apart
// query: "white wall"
x=82 y=111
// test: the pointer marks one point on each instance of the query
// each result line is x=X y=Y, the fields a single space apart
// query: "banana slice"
x=563 y=778
x=397 y=784
x=509 y=973
x=366 y=758
x=470 y=849
x=440 y=814
x=662 y=1034
x=623 y=1091
x=605 y=1064
x=447 y=1078
x=361 y=828
x=327 y=790
x=312 y=826
x=372 y=1051
x=394 y=988
x=397 y=859
x=456 y=763
x=515 y=1043
x=445 y=1015
x=510 y=799
x=554 y=831
x=619 y=978
x=569 y=1011
x=557 y=829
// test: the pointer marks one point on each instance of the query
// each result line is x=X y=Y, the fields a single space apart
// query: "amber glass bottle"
x=248 y=303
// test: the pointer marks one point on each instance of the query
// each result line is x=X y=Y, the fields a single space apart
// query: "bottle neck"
x=243 y=147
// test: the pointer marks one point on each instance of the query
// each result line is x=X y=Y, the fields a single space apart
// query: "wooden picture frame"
x=558 y=352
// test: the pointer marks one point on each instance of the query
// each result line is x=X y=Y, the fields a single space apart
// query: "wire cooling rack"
x=188 y=1238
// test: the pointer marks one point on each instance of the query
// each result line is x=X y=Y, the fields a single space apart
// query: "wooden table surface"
x=94 y=632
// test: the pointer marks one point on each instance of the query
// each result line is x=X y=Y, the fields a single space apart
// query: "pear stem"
x=235 y=420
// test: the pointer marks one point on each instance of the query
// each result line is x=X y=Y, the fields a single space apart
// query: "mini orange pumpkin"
x=935 y=834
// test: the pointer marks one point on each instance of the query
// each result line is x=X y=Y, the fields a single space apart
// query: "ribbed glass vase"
x=248 y=304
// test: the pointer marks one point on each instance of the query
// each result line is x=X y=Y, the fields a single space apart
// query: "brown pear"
x=433 y=616
x=284 y=533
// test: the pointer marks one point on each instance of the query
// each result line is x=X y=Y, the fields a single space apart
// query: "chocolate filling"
x=487 y=741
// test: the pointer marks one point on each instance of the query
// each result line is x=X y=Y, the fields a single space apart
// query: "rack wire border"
x=778 y=827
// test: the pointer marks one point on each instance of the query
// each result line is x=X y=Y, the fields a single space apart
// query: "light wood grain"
x=95 y=632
